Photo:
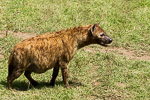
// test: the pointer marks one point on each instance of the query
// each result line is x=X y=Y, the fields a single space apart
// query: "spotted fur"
x=52 y=50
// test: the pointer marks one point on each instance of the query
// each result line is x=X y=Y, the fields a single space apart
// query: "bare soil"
x=121 y=51
x=122 y=85
x=17 y=34
x=1 y=56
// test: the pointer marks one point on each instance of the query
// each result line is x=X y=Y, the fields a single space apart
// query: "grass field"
x=93 y=75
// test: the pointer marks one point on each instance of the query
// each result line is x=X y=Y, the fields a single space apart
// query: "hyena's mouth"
x=103 y=44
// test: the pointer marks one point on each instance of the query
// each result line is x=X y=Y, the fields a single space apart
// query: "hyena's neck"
x=82 y=36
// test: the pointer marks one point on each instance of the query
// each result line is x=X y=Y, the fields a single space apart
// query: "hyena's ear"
x=93 y=28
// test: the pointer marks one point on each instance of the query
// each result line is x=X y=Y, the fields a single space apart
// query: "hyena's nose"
x=110 y=40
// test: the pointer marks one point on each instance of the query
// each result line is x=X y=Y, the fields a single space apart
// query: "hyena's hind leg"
x=28 y=76
x=13 y=73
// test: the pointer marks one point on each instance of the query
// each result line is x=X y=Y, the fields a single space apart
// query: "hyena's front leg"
x=54 y=75
x=64 y=71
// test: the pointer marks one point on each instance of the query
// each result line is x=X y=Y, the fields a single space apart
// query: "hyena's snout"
x=105 y=40
x=108 y=40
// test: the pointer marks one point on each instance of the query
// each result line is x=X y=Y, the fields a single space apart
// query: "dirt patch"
x=94 y=98
x=1 y=56
x=17 y=34
x=2 y=34
x=121 y=85
x=114 y=94
x=127 y=53
x=120 y=51
x=96 y=83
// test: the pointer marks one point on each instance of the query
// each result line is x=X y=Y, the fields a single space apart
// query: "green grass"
x=92 y=75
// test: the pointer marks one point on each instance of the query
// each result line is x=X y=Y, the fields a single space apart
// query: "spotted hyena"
x=52 y=50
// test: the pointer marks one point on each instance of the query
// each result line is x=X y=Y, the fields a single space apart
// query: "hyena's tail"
x=10 y=64
x=10 y=70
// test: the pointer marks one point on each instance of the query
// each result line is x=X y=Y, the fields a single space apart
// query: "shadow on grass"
x=17 y=85
x=24 y=86
x=71 y=83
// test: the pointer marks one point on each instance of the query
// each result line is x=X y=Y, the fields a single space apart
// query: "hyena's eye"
x=102 y=34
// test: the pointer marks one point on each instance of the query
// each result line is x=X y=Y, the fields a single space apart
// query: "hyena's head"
x=99 y=36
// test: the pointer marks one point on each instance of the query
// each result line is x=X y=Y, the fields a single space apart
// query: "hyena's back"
x=37 y=54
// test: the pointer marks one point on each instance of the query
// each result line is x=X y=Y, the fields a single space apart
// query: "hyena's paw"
x=52 y=84
x=35 y=83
